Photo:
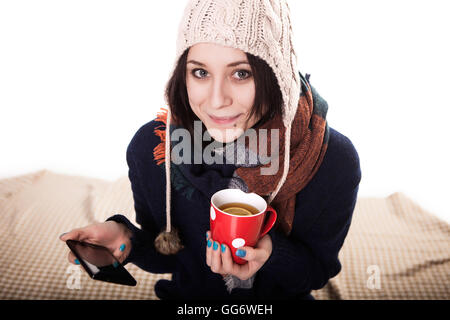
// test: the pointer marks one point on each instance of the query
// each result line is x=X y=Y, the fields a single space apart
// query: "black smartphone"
x=100 y=264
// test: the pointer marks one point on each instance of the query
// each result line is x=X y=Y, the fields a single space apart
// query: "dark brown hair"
x=267 y=90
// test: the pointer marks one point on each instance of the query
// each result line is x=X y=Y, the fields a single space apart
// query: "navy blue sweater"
x=303 y=261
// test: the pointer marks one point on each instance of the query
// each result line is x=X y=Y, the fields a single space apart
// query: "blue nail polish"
x=222 y=247
x=115 y=264
x=241 y=253
x=122 y=247
x=76 y=261
x=215 y=246
x=209 y=243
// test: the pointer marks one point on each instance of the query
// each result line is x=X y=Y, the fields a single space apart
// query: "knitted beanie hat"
x=259 y=27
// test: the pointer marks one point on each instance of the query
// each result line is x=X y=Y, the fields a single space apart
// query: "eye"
x=243 y=74
x=199 y=73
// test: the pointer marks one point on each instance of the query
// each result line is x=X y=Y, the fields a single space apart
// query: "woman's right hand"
x=110 y=234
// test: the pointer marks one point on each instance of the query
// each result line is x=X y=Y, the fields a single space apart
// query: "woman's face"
x=221 y=89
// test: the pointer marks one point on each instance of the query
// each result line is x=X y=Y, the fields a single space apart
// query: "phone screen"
x=100 y=264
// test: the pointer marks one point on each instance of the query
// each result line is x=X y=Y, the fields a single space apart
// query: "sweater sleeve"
x=300 y=263
x=143 y=252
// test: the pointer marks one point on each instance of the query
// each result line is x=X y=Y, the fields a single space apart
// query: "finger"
x=72 y=258
x=121 y=252
x=209 y=251
x=249 y=253
x=227 y=259
x=216 y=259
x=75 y=234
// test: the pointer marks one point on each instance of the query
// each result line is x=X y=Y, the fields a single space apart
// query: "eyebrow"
x=229 y=65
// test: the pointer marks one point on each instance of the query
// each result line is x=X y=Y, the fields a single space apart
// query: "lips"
x=224 y=120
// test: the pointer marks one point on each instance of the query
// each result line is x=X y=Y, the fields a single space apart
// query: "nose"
x=220 y=94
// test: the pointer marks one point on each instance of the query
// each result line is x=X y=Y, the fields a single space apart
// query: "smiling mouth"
x=224 y=120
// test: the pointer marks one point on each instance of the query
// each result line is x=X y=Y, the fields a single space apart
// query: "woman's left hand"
x=219 y=259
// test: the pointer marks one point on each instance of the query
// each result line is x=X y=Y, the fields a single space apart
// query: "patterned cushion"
x=394 y=249
x=34 y=265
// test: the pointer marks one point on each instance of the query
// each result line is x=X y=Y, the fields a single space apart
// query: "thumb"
x=75 y=234
x=249 y=253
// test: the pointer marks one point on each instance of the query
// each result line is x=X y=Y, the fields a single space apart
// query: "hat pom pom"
x=168 y=243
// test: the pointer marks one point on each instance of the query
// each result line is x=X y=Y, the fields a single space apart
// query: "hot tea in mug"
x=239 y=209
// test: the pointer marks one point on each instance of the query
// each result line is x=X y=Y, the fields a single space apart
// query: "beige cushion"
x=394 y=250
x=34 y=211
x=408 y=247
x=113 y=198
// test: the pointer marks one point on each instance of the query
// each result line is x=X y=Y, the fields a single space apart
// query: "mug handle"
x=270 y=221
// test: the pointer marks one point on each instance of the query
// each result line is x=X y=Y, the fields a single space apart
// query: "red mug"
x=236 y=231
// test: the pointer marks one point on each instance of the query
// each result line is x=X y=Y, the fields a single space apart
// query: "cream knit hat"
x=259 y=27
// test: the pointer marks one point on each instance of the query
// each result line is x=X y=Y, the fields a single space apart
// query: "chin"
x=225 y=135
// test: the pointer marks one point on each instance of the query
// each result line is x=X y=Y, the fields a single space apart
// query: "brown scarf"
x=309 y=141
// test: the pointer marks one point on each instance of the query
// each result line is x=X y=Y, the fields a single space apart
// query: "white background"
x=78 y=78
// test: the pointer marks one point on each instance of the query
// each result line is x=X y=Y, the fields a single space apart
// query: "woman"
x=236 y=71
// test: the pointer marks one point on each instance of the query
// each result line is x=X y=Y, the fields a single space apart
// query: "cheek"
x=194 y=92
x=196 y=96
x=246 y=100
x=247 y=97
